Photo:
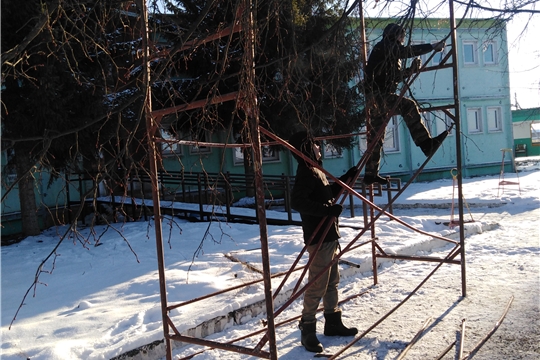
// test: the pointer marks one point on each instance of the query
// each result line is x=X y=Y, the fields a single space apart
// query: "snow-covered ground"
x=98 y=302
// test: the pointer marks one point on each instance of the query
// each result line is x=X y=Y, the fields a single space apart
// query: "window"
x=391 y=139
x=362 y=140
x=201 y=136
x=494 y=119
x=9 y=170
x=469 y=52
x=238 y=155
x=535 y=134
x=269 y=154
x=438 y=56
x=490 y=53
x=169 y=146
x=330 y=152
x=359 y=73
x=424 y=56
x=442 y=122
x=474 y=120
x=429 y=122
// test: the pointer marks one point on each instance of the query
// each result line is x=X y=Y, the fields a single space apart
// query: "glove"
x=438 y=47
x=351 y=172
x=335 y=210
x=416 y=65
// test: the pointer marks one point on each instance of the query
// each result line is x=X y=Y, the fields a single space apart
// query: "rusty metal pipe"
x=224 y=346
x=284 y=322
x=356 y=339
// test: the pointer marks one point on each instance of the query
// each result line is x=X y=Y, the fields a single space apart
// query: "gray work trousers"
x=326 y=287
x=379 y=108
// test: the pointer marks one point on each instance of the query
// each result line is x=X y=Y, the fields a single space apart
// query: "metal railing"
x=208 y=190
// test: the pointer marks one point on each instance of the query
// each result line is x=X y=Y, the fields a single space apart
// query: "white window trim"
x=498 y=112
x=443 y=122
x=535 y=134
x=392 y=132
x=475 y=52
x=362 y=140
x=429 y=122
x=270 y=154
x=169 y=149
x=442 y=54
x=330 y=152
x=238 y=156
x=391 y=138
x=196 y=149
x=478 y=129
x=494 y=52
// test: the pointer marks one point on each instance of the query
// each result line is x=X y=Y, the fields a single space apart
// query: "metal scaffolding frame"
x=248 y=102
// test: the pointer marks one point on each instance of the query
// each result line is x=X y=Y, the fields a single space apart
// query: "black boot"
x=334 y=327
x=430 y=146
x=372 y=179
x=309 y=336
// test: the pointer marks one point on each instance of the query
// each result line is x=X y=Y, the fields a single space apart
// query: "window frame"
x=440 y=55
x=429 y=122
x=392 y=132
x=535 y=134
x=202 y=136
x=362 y=139
x=391 y=138
x=474 y=45
x=498 y=119
x=330 y=152
x=270 y=154
x=442 y=121
x=494 y=52
x=423 y=57
x=478 y=121
x=170 y=149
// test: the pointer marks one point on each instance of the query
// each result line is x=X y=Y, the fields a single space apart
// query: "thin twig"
x=415 y=339
x=461 y=339
x=445 y=351
x=486 y=338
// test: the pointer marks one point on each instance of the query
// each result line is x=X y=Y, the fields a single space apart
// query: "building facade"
x=485 y=113
x=526 y=124
x=486 y=120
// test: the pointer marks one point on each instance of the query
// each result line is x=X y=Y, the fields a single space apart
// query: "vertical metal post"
x=363 y=49
x=134 y=215
x=249 y=102
x=151 y=128
x=373 y=237
x=288 y=198
x=199 y=194
x=68 y=197
x=228 y=194
x=363 y=57
x=459 y=175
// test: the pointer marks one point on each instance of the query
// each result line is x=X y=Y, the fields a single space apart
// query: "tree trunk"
x=27 y=197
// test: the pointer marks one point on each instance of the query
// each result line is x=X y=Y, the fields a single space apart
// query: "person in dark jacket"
x=313 y=197
x=384 y=71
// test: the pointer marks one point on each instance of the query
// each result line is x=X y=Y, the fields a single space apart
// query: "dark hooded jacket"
x=312 y=195
x=384 y=70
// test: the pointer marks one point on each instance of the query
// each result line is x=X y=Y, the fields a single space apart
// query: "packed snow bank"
x=98 y=302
